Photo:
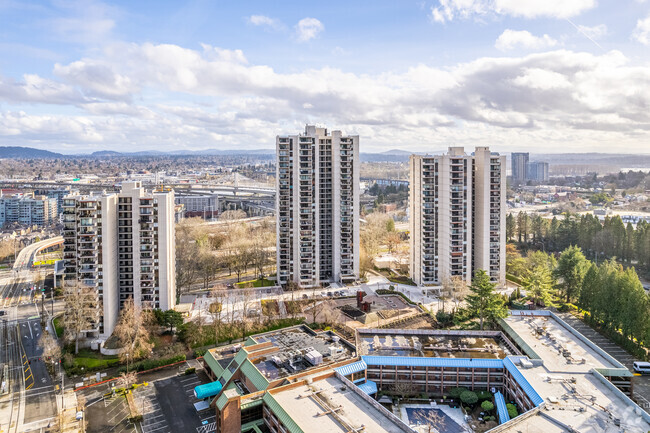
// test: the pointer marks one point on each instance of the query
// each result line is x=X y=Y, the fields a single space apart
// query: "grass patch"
x=90 y=361
x=58 y=326
x=396 y=278
x=256 y=283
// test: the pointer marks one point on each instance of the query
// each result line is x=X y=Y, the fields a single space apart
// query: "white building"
x=317 y=207
x=457 y=208
x=123 y=245
x=28 y=210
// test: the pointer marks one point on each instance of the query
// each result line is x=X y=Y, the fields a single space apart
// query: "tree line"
x=598 y=240
x=610 y=294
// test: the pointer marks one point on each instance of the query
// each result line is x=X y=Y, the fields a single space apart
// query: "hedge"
x=514 y=279
x=391 y=292
x=148 y=364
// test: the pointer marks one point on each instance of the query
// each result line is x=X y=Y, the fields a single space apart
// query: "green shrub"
x=148 y=364
x=487 y=406
x=444 y=318
x=484 y=395
x=456 y=392
x=489 y=418
x=468 y=397
x=512 y=410
x=189 y=371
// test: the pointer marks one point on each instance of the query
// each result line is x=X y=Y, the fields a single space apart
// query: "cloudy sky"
x=542 y=76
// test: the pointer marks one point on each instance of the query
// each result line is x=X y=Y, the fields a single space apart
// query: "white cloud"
x=593 y=32
x=166 y=96
x=513 y=39
x=262 y=20
x=642 y=31
x=308 y=28
x=447 y=10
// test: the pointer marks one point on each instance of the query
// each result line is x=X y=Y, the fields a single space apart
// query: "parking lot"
x=641 y=383
x=166 y=403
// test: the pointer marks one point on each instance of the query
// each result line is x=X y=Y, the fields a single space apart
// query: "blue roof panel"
x=521 y=380
x=502 y=410
x=414 y=361
x=349 y=369
x=369 y=387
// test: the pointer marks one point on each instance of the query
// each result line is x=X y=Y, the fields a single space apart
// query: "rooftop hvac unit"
x=314 y=357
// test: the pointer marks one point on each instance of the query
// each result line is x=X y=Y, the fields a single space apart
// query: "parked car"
x=642 y=367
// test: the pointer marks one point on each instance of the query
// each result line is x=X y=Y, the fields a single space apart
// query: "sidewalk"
x=67 y=417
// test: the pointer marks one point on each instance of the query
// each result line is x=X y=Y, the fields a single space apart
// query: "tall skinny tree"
x=80 y=312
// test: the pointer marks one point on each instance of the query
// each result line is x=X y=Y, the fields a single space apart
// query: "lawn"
x=256 y=283
x=91 y=360
x=58 y=326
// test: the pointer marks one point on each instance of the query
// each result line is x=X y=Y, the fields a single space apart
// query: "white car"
x=642 y=367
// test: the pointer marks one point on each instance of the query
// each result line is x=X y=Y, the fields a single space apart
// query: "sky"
x=548 y=76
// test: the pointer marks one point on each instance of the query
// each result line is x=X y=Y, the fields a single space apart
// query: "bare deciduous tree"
x=80 y=312
x=131 y=333
x=51 y=348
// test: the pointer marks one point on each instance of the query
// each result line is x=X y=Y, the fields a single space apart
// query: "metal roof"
x=521 y=380
x=414 y=361
x=214 y=365
x=253 y=374
x=349 y=369
x=369 y=387
x=282 y=415
x=502 y=410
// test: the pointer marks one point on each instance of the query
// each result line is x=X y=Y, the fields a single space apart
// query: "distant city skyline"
x=539 y=77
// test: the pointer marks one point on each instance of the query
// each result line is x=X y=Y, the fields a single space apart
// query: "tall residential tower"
x=317 y=204
x=123 y=246
x=457 y=222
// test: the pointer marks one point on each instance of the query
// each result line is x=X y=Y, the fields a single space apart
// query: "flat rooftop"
x=556 y=345
x=310 y=407
x=575 y=395
x=434 y=343
x=579 y=401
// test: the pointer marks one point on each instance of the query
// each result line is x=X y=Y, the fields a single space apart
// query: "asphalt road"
x=31 y=404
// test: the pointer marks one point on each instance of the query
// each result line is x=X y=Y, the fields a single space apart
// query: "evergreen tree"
x=483 y=301
x=538 y=284
x=571 y=269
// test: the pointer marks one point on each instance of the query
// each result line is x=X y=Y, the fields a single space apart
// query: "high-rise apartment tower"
x=457 y=216
x=123 y=246
x=519 y=166
x=317 y=204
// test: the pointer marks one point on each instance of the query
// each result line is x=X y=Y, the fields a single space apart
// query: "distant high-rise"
x=317 y=204
x=537 y=171
x=457 y=223
x=123 y=246
x=519 y=166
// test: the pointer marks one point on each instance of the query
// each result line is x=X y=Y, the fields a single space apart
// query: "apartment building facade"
x=519 y=166
x=123 y=246
x=28 y=210
x=457 y=221
x=317 y=207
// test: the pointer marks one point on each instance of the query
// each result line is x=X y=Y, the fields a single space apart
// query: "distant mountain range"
x=26 y=152
x=394 y=155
